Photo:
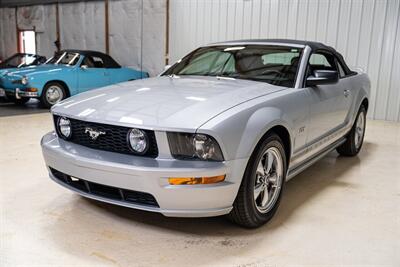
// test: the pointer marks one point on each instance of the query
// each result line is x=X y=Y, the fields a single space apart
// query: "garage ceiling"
x=13 y=3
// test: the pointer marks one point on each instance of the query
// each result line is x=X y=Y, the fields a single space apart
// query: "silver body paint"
x=237 y=113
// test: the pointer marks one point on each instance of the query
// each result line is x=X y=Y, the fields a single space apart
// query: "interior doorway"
x=27 y=41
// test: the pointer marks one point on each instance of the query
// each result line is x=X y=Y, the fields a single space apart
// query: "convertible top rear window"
x=276 y=65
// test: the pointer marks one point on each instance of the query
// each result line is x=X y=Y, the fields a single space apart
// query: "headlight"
x=138 y=141
x=64 y=127
x=24 y=80
x=194 y=146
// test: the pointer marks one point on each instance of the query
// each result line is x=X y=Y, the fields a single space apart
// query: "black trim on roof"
x=311 y=44
x=108 y=61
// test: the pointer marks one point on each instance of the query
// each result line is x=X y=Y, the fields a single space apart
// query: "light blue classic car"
x=68 y=73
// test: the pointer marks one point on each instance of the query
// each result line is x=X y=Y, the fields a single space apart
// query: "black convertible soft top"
x=311 y=44
x=107 y=60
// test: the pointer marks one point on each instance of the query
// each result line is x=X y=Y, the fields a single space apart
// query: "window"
x=210 y=63
x=93 y=62
x=21 y=60
x=64 y=58
x=280 y=58
x=321 y=61
x=271 y=64
x=27 y=42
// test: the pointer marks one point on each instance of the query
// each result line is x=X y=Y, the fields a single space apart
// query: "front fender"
x=67 y=76
x=238 y=132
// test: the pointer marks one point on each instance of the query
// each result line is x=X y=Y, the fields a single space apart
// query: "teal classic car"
x=19 y=60
x=68 y=73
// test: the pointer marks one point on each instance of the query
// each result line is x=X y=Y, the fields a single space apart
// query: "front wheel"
x=52 y=94
x=355 y=137
x=261 y=188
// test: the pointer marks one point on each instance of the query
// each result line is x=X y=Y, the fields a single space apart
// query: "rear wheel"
x=355 y=137
x=52 y=94
x=261 y=188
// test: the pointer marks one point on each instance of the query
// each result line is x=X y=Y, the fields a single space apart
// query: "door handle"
x=346 y=92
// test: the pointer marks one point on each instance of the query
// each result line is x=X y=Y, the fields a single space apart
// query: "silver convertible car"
x=219 y=132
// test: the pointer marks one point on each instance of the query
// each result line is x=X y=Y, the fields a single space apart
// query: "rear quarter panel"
x=126 y=74
x=360 y=87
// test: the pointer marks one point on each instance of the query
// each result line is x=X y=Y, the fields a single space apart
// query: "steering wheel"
x=277 y=72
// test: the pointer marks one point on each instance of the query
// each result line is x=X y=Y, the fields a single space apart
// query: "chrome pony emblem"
x=93 y=133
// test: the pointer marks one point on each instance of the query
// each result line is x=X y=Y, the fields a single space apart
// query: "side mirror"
x=84 y=67
x=323 y=77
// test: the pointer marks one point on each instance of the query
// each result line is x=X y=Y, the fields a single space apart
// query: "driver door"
x=329 y=106
x=92 y=74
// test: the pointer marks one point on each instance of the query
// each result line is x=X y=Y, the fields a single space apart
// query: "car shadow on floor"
x=10 y=109
x=326 y=173
x=84 y=227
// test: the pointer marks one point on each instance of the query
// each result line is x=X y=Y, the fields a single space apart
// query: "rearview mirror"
x=323 y=77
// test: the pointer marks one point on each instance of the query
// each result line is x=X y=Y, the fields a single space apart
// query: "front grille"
x=115 y=139
x=110 y=192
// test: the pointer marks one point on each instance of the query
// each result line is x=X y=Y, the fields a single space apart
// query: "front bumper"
x=19 y=93
x=149 y=176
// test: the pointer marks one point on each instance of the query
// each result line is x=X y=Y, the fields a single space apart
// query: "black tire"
x=20 y=102
x=350 y=148
x=43 y=99
x=244 y=212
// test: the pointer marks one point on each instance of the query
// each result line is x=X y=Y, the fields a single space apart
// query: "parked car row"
x=67 y=73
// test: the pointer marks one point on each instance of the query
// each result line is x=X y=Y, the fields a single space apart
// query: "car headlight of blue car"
x=23 y=81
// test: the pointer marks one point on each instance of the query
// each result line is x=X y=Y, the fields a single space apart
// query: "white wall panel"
x=366 y=32
x=82 y=25
x=8 y=35
x=125 y=32
x=154 y=36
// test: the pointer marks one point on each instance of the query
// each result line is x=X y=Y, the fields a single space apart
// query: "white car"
x=217 y=133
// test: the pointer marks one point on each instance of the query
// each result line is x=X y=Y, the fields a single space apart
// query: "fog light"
x=196 y=180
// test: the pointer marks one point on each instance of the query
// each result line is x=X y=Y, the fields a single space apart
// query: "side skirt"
x=310 y=161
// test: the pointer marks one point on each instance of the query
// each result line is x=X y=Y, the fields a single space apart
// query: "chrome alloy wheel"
x=54 y=94
x=359 y=131
x=269 y=179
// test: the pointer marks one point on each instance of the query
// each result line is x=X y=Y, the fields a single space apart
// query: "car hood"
x=183 y=103
x=32 y=70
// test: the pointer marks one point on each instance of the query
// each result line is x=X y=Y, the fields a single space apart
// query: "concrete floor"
x=341 y=211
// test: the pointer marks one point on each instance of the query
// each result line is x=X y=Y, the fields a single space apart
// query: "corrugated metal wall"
x=82 y=26
x=367 y=33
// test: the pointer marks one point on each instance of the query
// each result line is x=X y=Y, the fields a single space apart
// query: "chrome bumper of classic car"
x=24 y=93
x=142 y=183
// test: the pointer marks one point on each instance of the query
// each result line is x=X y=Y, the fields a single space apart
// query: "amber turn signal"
x=196 y=180
x=30 y=90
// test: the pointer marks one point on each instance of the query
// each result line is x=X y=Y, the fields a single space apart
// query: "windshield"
x=271 y=64
x=64 y=58
x=20 y=60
